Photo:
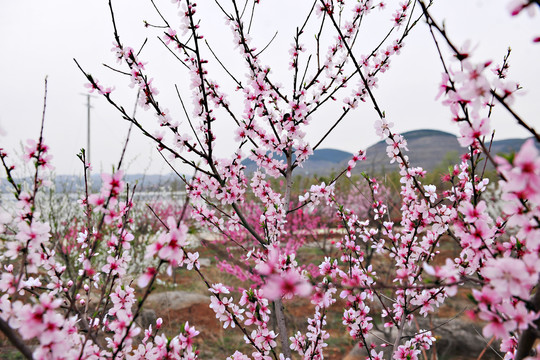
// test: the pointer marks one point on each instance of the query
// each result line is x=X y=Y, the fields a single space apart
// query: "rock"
x=461 y=338
x=205 y=262
x=174 y=300
x=455 y=339
x=146 y=318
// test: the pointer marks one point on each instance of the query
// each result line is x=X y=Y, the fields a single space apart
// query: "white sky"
x=39 y=38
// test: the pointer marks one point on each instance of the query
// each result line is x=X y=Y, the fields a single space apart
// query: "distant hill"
x=331 y=155
x=427 y=148
x=323 y=161
x=508 y=146
x=74 y=183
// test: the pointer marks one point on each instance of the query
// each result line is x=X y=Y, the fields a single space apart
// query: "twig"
x=488 y=345
x=129 y=133
x=494 y=351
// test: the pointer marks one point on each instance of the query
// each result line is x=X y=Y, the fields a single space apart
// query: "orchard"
x=74 y=284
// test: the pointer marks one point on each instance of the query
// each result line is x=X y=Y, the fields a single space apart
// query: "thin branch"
x=116 y=70
x=224 y=67
x=172 y=52
x=188 y=118
x=332 y=128
x=251 y=17
x=516 y=116
x=128 y=134
x=142 y=46
x=267 y=45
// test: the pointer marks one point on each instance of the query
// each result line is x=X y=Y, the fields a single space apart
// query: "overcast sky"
x=40 y=38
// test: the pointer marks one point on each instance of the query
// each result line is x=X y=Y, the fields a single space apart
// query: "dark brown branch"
x=15 y=339
x=332 y=128
x=516 y=116
x=267 y=45
x=529 y=336
x=224 y=67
